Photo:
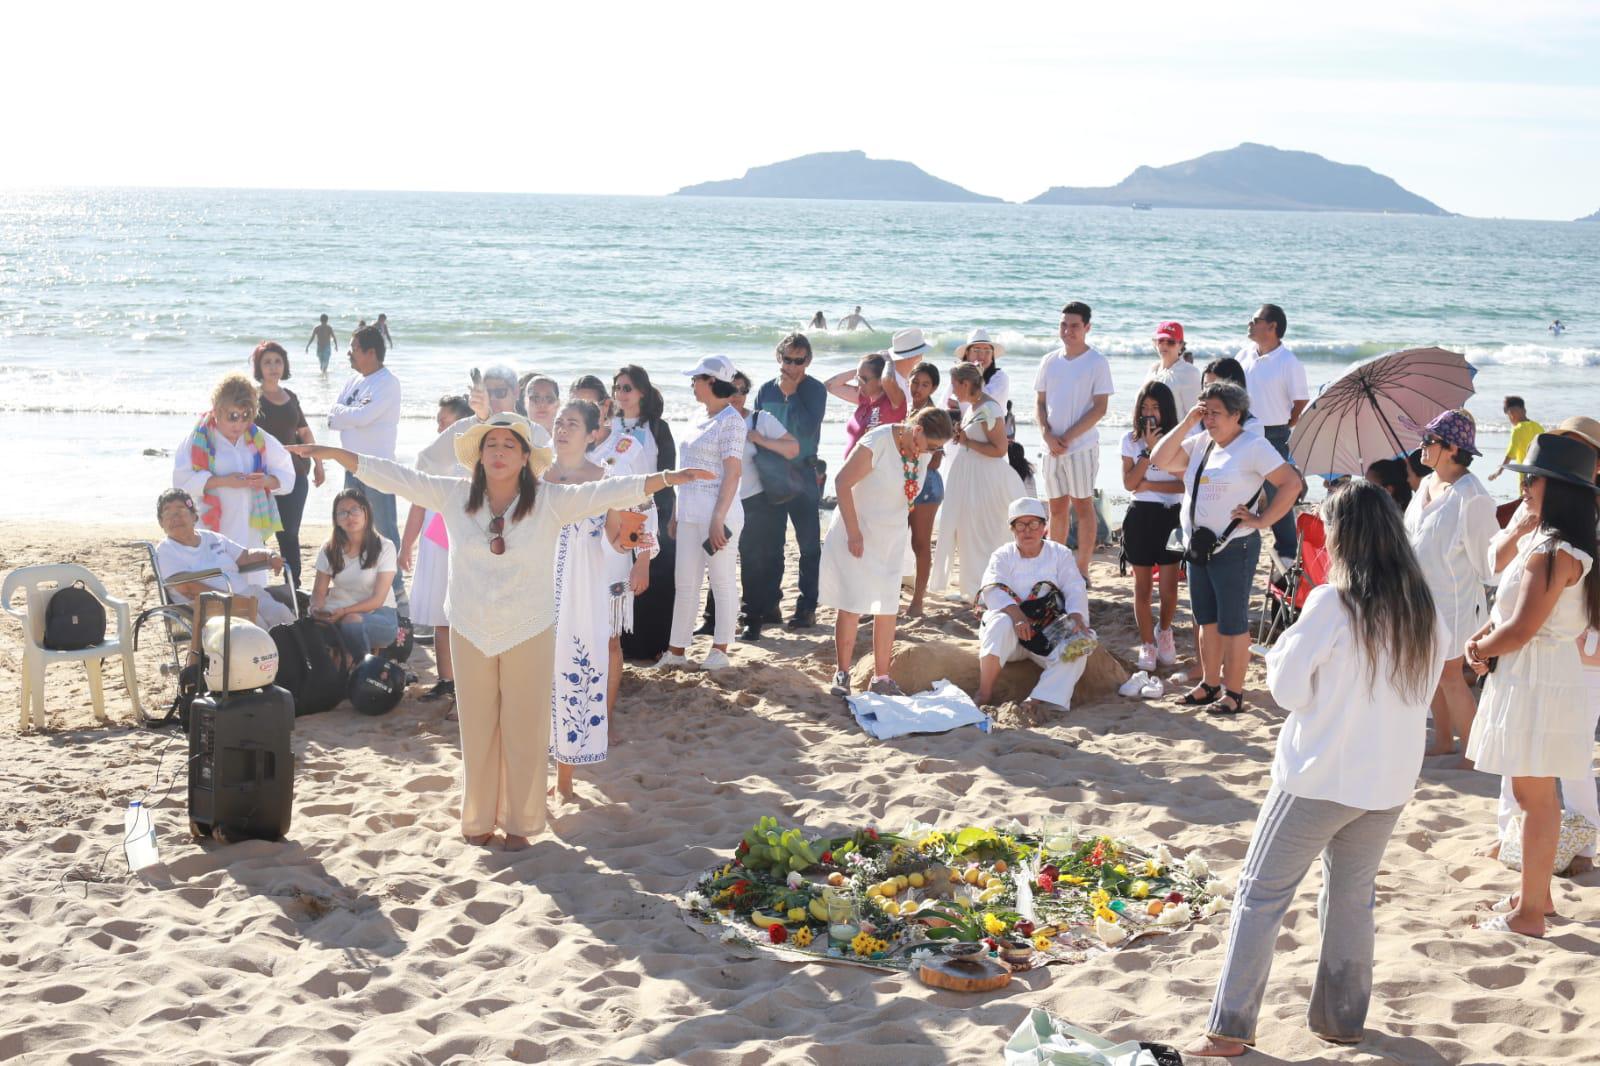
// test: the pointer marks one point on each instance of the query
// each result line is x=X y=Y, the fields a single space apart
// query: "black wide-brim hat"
x=1562 y=458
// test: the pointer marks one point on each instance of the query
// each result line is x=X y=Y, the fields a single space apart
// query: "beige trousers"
x=503 y=702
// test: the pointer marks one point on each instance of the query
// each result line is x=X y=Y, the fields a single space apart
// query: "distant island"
x=1591 y=218
x=840 y=176
x=1253 y=177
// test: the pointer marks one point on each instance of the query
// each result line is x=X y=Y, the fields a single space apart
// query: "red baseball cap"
x=1170 y=329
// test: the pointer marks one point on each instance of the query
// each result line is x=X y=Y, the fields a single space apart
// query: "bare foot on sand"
x=1435 y=747
x=1216 y=1047
x=515 y=842
x=478 y=840
x=914 y=610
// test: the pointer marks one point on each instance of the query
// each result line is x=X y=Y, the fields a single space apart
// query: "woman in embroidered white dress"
x=1533 y=721
x=1450 y=520
x=863 y=555
x=978 y=487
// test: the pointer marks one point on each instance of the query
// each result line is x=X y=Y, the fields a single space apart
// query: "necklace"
x=562 y=477
x=908 y=470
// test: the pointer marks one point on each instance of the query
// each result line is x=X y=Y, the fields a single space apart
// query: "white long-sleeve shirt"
x=367 y=414
x=499 y=601
x=1450 y=527
x=234 y=521
x=1351 y=737
x=1054 y=563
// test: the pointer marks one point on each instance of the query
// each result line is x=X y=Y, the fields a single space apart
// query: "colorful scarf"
x=203 y=456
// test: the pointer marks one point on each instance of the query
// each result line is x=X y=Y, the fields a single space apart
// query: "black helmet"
x=376 y=685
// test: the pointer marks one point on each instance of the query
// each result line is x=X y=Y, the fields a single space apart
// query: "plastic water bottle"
x=139 y=837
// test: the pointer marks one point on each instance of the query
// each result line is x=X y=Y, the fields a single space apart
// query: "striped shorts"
x=1071 y=474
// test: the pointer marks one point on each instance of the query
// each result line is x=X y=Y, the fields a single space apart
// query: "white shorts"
x=1072 y=474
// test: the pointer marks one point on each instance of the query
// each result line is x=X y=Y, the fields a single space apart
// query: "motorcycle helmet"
x=253 y=655
x=376 y=685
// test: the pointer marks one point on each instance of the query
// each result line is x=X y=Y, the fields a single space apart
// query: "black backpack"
x=313 y=665
x=74 y=619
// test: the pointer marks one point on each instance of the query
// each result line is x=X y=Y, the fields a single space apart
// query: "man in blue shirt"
x=798 y=401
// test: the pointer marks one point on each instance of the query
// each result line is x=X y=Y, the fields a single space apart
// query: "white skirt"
x=1533 y=720
x=428 y=582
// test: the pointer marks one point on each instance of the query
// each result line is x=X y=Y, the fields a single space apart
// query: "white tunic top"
x=709 y=441
x=1054 y=563
x=871 y=584
x=499 y=601
x=234 y=521
x=1351 y=736
x=1450 y=527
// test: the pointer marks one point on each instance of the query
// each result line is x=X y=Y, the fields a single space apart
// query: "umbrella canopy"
x=1371 y=411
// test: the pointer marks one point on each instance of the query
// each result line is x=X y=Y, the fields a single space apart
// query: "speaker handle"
x=227 y=635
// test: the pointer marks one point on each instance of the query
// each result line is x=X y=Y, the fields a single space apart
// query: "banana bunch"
x=780 y=852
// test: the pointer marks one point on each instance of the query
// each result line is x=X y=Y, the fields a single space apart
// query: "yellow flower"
x=931 y=841
x=865 y=944
x=1152 y=868
x=993 y=925
x=1074 y=879
x=802 y=937
x=1105 y=914
x=1139 y=889
x=1099 y=898
x=1041 y=942
x=1121 y=869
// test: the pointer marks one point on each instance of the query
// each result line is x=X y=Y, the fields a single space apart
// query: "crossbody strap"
x=1194 y=498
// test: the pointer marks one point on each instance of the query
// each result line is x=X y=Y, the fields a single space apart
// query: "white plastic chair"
x=39 y=583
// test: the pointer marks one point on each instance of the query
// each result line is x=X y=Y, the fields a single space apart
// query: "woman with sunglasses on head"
x=503 y=524
x=1534 y=723
x=1450 y=519
x=355 y=579
x=234 y=469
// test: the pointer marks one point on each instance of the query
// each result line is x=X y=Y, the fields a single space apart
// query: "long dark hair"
x=1157 y=391
x=651 y=408
x=1568 y=513
x=1225 y=369
x=1390 y=475
x=1380 y=583
x=527 y=484
x=339 y=544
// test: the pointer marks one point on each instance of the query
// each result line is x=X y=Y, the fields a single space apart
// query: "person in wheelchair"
x=188 y=549
x=1035 y=603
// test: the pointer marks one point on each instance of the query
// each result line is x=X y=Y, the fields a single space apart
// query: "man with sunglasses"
x=1276 y=382
x=367 y=416
x=798 y=401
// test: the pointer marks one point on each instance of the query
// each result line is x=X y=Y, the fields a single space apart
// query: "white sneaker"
x=1166 y=648
x=672 y=661
x=841 y=683
x=717 y=660
x=1152 y=689
x=1132 y=686
x=1147 y=657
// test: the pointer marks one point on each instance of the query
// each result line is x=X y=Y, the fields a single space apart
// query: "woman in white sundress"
x=979 y=486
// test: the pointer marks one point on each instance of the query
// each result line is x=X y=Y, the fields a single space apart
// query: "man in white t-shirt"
x=367 y=417
x=187 y=549
x=1276 y=382
x=1172 y=369
x=1074 y=387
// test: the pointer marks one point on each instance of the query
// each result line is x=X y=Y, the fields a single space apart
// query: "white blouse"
x=1054 y=563
x=709 y=442
x=499 y=601
x=234 y=522
x=1351 y=737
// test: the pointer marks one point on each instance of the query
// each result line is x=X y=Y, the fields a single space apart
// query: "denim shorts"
x=1219 y=591
x=932 y=489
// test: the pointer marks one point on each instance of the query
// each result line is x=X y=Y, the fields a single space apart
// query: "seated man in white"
x=187 y=549
x=1016 y=572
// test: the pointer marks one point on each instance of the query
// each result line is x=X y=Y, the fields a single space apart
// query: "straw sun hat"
x=540 y=455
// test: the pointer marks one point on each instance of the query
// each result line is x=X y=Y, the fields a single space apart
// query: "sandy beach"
x=375 y=935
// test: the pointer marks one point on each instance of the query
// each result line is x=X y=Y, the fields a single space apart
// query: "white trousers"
x=690 y=573
x=998 y=637
x=1578 y=794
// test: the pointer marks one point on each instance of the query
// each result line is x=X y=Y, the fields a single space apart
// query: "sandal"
x=1208 y=694
x=1223 y=707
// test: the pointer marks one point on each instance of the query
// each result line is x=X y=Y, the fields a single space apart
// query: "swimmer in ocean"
x=323 y=335
x=854 y=320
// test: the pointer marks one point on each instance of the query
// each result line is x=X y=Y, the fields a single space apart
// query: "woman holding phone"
x=1151 y=518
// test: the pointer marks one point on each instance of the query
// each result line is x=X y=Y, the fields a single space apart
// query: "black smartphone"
x=706 y=544
x=477 y=376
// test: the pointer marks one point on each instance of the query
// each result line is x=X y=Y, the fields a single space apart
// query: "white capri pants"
x=690 y=573
x=998 y=637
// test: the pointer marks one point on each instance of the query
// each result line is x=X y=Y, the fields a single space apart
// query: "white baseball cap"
x=719 y=367
x=1027 y=507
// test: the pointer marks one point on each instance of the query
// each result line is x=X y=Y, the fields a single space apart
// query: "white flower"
x=1174 y=914
x=1217 y=887
x=730 y=936
x=1109 y=932
x=921 y=954
x=1195 y=865
x=794 y=880
x=1212 y=906
x=1162 y=856
x=695 y=901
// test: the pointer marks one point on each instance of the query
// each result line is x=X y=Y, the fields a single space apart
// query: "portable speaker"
x=241 y=764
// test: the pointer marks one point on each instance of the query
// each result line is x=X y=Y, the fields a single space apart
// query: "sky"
x=1487 y=109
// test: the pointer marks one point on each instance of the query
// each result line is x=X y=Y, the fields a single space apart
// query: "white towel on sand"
x=941 y=708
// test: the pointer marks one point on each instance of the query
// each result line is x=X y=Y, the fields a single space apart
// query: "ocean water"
x=120 y=308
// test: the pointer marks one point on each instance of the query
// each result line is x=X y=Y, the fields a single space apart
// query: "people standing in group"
x=325 y=339
x=1224 y=471
x=426 y=540
x=541 y=399
x=367 y=418
x=979 y=487
x=853 y=321
x=925 y=508
x=640 y=414
x=1534 y=722
x=709 y=516
x=356 y=569
x=1523 y=431
x=1172 y=369
x=1354 y=672
x=1450 y=520
x=1152 y=517
x=503 y=524
x=1029 y=568
x=799 y=402
x=235 y=469
x=279 y=414
x=1073 y=390
x=863 y=555
x=1276 y=382
x=881 y=390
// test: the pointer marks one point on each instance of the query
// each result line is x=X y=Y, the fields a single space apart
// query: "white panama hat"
x=979 y=336
x=907 y=343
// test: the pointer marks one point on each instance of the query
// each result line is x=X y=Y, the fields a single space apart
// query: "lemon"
x=892 y=909
x=917 y=880
x=973 y=876
x=902 y=881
